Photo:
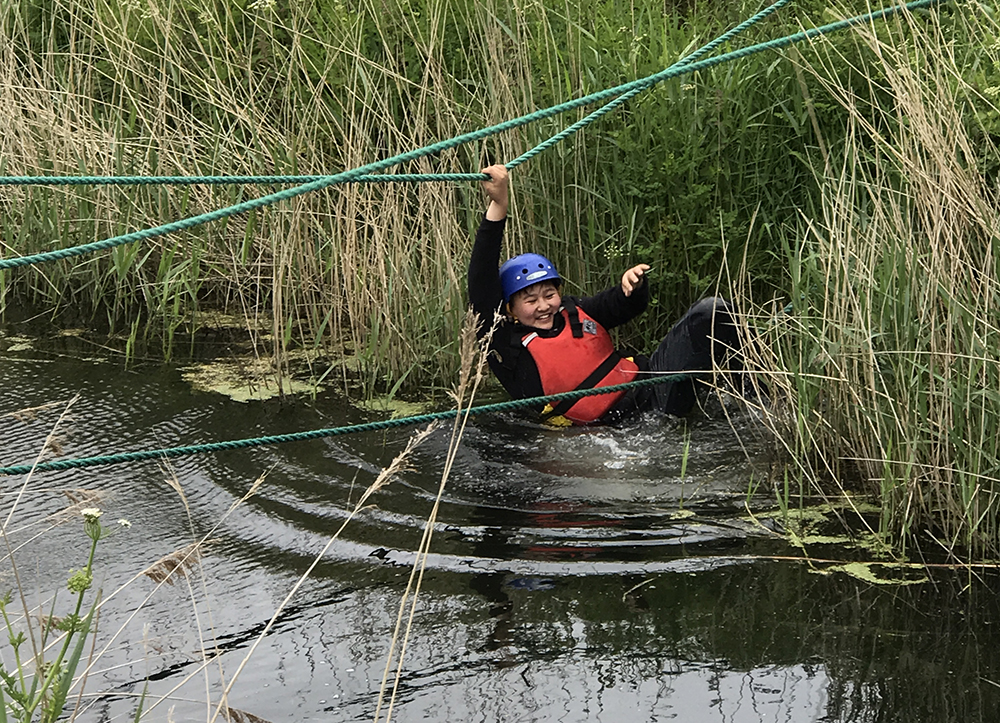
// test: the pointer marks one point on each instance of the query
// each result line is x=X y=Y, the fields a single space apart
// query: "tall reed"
x=891 y=357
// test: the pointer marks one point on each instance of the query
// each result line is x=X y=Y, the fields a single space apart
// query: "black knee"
x=713 y=325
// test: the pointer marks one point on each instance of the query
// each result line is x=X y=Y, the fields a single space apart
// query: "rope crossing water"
x=365 y=172
x=369 y=174
x=170 y=452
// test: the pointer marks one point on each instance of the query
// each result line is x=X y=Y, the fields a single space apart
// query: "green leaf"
x=65 y=678
x=13 y=685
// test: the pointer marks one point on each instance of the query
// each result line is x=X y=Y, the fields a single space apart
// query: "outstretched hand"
x=497 y=188
x=634 y=278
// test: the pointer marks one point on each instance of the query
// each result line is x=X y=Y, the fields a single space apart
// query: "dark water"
x=574 y=576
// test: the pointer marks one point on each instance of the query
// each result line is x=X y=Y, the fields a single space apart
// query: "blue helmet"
x=522 y=271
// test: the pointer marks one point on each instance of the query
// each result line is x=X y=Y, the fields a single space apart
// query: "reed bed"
x=889 y=359
x=373 y=272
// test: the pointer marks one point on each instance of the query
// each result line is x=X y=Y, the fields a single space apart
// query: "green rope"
x=373 y=178
x=353 y=175
x=227 y=180
x=620 y=100
x=330 y=432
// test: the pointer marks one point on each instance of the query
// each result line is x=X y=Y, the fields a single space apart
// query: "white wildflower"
x=91 y=514
x=92 y=523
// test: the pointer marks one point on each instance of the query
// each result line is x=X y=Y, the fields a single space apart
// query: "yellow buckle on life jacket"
x=556 y=421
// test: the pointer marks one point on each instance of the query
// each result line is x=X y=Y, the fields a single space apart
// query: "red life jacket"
x=580 y=356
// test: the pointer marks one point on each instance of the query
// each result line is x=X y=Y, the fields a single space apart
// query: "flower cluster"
x=92 y=523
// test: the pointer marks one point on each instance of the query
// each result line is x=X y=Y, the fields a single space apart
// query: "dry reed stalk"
x=754 y=387
x=396 y=467
x=54 y=433
x=474 y=355
x=179 y=562
x=241 y=716
x=29 y=414
x=79 y=499
x=186 y=562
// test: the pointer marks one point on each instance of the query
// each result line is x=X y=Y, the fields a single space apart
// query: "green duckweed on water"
x=397 y=408
x=880 y=573
x=843 y=522
x=245 y=379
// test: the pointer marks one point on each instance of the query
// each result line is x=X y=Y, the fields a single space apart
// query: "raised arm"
x=485 y=294
x=620 y=303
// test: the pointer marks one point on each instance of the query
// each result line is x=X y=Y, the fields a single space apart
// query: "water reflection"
x=575 y=576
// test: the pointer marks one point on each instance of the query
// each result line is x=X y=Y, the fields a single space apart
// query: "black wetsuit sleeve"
x=485 y=295
x=611 y=308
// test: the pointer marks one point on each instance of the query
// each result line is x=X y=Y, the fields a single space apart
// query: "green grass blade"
x=61 y=691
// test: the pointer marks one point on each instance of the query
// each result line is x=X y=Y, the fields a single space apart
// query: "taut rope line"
x=170 y=452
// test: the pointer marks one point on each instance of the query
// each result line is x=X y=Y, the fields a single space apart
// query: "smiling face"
x=537 y=305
